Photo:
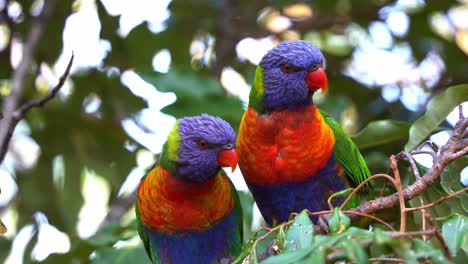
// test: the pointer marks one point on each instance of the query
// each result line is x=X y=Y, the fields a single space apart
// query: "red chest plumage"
x=283 y=146
x=169 y=205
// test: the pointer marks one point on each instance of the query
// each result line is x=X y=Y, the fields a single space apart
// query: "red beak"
x=317 y=80
x=228 y=158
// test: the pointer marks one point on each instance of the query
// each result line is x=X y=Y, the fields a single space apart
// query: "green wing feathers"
x=347 y=154
x=143 y=235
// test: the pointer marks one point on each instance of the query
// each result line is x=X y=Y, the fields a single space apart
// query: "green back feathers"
x=258 y=90
x=170 y=151
x=347 y=154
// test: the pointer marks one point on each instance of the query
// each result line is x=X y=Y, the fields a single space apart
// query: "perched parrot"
x=292 y=155
x=187 y=209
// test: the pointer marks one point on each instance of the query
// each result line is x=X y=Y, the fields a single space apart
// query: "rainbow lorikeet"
x=187 y=209
x=292 y=155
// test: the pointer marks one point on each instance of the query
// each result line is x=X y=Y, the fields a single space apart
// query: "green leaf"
x=455 y=233
x=246 y=248
x=196 y=94
x=300 y=233
x=338 y=222
x=354 y=251
x=340 y=193
x=359 y=232
x=447 y=207
x=425 y=249
x=381 y=237
x=247 y=202
x=110 y=234
x=437 y=110
x=281 y=238
x=120 y=256
x=381 y=132
x=450 y=180
x=290 y=257
x=317 y=256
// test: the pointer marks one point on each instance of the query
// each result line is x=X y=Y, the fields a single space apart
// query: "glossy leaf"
x=423 y=248
x=455 y=233
x=437 y=110
x=450 y=180
x=338 y=222
x=246 y=250
x=300 y=233
x=381 y=132
x=289 y=257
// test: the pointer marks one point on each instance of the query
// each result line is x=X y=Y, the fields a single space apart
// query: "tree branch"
x=119 y=207
x=401 y=199
x=8 y=123
x=455 y=148
x=21 y=112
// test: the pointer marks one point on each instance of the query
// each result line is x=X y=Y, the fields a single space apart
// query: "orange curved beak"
x=228 y=158
x=317 y=80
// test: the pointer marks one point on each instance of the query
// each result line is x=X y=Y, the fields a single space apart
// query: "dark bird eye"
x=314 y=67
x=202 y=144
x=228 y=146
x=287 y=68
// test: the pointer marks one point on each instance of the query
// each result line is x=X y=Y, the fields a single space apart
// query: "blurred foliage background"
x=72 y=166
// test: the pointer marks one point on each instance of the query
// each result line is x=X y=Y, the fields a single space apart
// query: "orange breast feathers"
x=169 y=205
x=283 y=146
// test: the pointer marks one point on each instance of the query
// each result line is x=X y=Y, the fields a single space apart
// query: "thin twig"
x=433 y=154
x=9 y=121
x=423 y=217
x=460 y=111
x=439 y=237
x=409 y=157
x=394 y=167
x=431 y=145
x=119 y=207
x=352 y=213
x=263 y=237
x=384 y=187
x=438 y=201
x=380 y=175
x=40 y=102
x=20 y=113
x=371 y=217
x=387 y=260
